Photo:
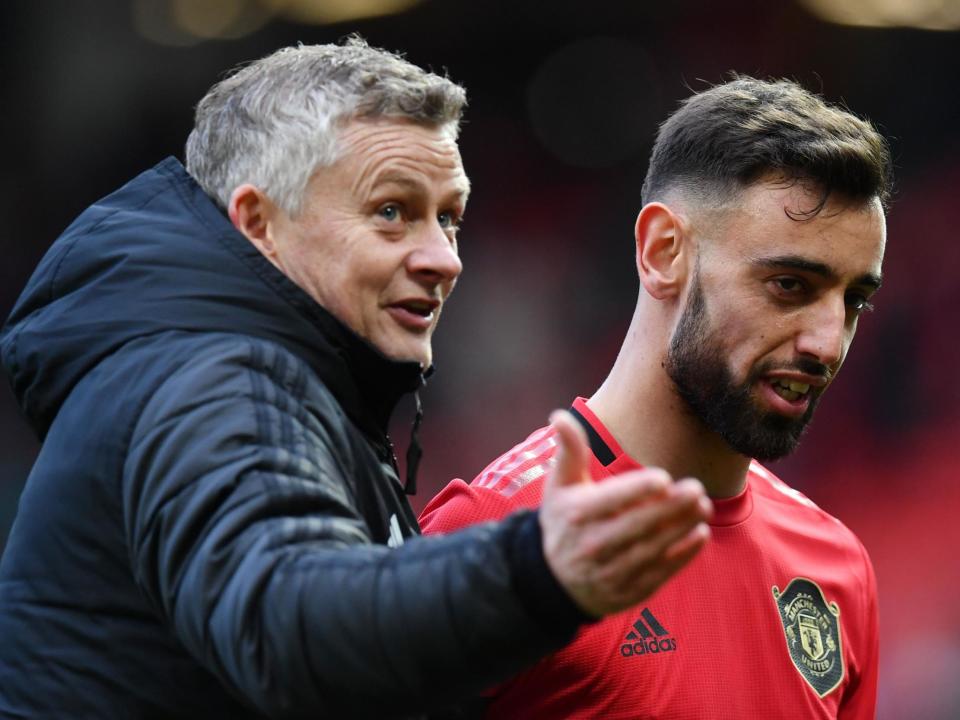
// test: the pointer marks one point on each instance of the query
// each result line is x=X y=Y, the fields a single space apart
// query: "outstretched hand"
x=612 y=544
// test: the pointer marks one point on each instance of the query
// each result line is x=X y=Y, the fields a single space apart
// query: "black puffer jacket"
x=204 y=533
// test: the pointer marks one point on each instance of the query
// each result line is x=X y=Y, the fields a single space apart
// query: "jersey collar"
x=610 y=459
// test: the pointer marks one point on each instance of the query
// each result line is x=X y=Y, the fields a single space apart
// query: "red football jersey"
x=775 y=618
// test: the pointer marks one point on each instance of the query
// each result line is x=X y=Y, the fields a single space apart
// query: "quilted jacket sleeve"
x=244 y=536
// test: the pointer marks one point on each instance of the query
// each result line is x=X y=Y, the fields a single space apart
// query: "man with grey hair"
x=215 y=526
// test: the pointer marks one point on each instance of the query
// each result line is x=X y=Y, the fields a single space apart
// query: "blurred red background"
x=565 y=99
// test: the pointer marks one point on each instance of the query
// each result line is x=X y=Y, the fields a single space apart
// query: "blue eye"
x=449 y=220
x=390 y=212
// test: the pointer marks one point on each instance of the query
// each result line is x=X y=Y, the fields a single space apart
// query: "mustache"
x=808 y=366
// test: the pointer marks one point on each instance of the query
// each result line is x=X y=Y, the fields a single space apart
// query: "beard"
x=703 y=380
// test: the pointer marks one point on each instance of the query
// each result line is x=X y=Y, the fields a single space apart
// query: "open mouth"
x=790 y=390
x=423 y=308
x=414 y=314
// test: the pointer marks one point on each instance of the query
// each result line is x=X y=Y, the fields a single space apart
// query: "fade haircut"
x=274 y=122
x=723 y=139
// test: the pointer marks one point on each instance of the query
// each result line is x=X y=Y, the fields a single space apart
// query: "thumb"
x=573 y=454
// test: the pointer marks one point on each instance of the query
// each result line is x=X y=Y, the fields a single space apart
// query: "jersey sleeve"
x=861 y=701
x=460 y=505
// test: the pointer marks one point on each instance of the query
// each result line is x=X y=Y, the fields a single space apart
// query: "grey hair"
x=274 y=122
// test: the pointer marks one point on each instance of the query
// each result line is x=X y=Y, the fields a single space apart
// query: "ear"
x=254 y=215
x=663 y=248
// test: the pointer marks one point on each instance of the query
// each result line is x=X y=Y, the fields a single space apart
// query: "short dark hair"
x=723 y=139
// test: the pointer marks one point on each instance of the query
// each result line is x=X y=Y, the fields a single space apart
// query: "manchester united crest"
x=812 y=628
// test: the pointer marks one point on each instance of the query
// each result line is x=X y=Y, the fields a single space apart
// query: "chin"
x=423 y=356
x=403 y=346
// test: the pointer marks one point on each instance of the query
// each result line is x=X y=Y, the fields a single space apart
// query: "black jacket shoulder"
x=214 y=527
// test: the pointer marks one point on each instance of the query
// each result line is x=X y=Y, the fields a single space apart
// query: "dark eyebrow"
x=795 y=262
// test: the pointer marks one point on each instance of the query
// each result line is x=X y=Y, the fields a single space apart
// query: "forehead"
x=393 y=150
x=768 y=220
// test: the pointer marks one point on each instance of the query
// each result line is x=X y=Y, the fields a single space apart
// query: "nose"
x=434 y=256
x=824 y=334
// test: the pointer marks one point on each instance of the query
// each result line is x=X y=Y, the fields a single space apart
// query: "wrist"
x=539 y=591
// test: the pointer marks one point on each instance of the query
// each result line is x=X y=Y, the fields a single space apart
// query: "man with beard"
x=758 y=246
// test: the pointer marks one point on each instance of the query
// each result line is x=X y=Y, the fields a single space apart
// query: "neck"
x=639 y=406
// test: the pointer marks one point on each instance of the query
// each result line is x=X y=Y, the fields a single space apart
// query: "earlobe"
x=661 y=241
x=252 y=213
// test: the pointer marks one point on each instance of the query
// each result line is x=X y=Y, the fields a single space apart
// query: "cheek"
x=448 y=288
x=743 y=342
x=304 y=257
x=331 y=280
x=846 y=348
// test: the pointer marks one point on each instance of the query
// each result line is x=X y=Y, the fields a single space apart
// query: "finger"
x=643 y=569
x=650 y=580
x=684 y=499
x=690 y=544
x=680 y=553
x=573 y=453
x=622 y=492
x=706 y=504
x=645 y=533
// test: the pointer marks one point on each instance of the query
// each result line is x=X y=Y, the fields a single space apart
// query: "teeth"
x=795 y=387
x=786 y=393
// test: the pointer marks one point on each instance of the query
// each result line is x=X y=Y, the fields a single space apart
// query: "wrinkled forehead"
x=350 y=126
x=382 y=150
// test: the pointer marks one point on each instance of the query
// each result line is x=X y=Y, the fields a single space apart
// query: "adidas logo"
x=648 y=637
